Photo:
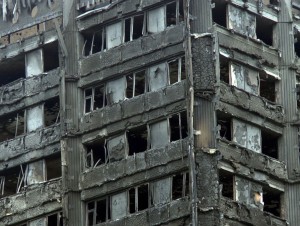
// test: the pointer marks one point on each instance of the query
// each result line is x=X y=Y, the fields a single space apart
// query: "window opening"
x=95 y=98
x=51 y=111
x=180 y=185
x=136 y=84
x=53 y=166
x=137 y=139
x=96 y=153
x=269 y=144
x=98 y=211
x=272 y=201
x=224 y=126
x=176 y=70
x=171 y=14
x=264 y=30
x=226 y=182
x=219 y=12
x=178 y=126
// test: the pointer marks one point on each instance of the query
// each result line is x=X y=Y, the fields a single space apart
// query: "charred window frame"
x=247 y=136
x=14 y=180
x=262 y=82
x=98 y=211
x=139 y=198
x=256 y=27
x=133 y=27
x=134 y=84
x=94 y=98
x=273 y=200
x=96 y=153
x=177 y=70
x=136 y=199
x=226 y=181
x=180 y=185
x=94 y=41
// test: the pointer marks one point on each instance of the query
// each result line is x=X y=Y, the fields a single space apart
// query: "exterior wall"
x=95 y=116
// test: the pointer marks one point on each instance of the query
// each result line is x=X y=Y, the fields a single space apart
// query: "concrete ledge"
x=152 y=47
x=36 y=200
x=142 y=167
x=246 y=101
x=145 y=107
x=248 y=215
x=30 y=146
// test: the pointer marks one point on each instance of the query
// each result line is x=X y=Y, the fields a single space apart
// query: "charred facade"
x=134 y=112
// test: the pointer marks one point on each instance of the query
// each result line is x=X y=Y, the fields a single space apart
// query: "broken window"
x=9 y=181
x=9 y=73
x=51 y=56
x=224 y=69
x=136 y=84
x=244 y=78
x=224 y=126
x=219 y=12
x=53 y=167
x=178 y=126
x=272 y=201
x=138 y=198
x=134 y=27
x=12 y=125
x=13 y=180
x=264 y=30
x=95 y=98
x=51 y=111
x=98 y=211
x=226 y=184
x=55 y=219
x=248 y=192
x=115 y=90
x=261 y=82
x=117 y=148
x=246 y=135
x=267 y=86
x=176 y=70
x=96 y=153
x=180 y=185
x=94 y=41
x=241 y=21
x=137 y=139
x=171 y=13
x=269 y=144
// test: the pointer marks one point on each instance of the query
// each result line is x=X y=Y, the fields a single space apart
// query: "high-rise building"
x=149 y=112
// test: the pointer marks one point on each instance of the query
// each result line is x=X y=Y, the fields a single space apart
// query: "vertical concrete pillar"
x=288 y=143
x=204 y=120
x=70 y=105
